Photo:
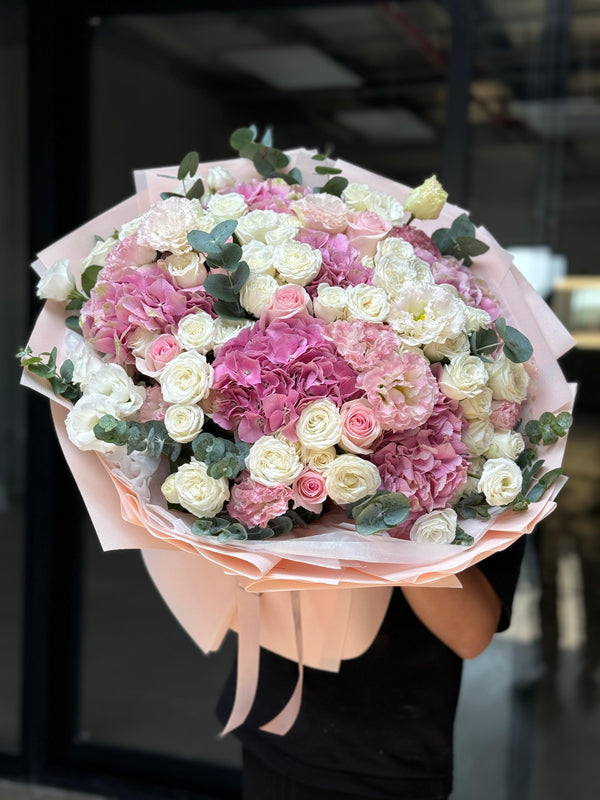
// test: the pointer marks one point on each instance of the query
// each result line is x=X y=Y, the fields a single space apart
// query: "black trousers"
x=263 y=783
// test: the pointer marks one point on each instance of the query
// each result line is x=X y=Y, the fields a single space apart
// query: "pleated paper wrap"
x=316 y=596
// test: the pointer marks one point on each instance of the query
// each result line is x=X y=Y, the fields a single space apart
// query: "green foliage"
x=196 y=191
x=472 y=506
x=166 y=195
x=379 y=512
x=89 y=278
x=223 y=458
x=483 y=343
x=459 y=240
x=61 y=382
x=335 y=186
x=268 y=161
x=517 y=346
x=150 y=437
x=225 y=528
x=328 y=171
x=463 y=538
x=189 y=165
x=548 y=428
x=73 y=324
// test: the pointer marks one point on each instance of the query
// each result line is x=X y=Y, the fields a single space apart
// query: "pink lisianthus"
x=363 y=344
x=254 y=504
x=402 y=391
x=472 y=289
x=360 y=427
x=288 y=301
x=418 y=239
x=125 y=257
x=340 y=265
x=365 y=229
x=265 y=376
x=309 y=491
x=428 y=464
x=154 y=406
x=505 y=414
x=268 y=195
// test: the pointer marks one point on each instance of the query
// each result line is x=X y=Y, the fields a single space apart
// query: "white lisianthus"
x=349 y=478
x=187 y=378
x=257 y=293
x=422 y=314
x=57 y=282
x=197 y=492
x=297 y=262
x=259 y=257
x=464 y=376
x=167 y=224
x=478 y=436
x=196 y=332
x=227 y=206
x=437 y=351
x=186 y=269
x=369 y=303
x=112 y=383
x=500 y=481
x=98 y=255
x=169 y=490
x=355 y=196
x=273 y=461
x=225 y=329
x=395 y=274
x=82 y=355
x=385 y=206
x=83 y=417
x=396 y=247
x=318 y=460
x=476 y=318
x=255 y=225
x=129 y=228
x=505 y=444
x=184 y=422
x=319 y=425
x=331 y=303
x=286 y=230
x=218 y=178
x=507 y=380
x=478 y=407
x=437 y=527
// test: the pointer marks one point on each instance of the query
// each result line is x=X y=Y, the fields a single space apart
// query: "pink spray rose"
x=288 y=301
x=360 y=427
x=365 y=229
x=254 y=504
x=162 y=350
x=505 y=414
x=309 y=490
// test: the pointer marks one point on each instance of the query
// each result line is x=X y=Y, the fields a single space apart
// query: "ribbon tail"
x=247 y=659
x=282 y=723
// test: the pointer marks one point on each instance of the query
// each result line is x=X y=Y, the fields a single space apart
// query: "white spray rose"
x=355 y=196
x=476 y=318
x=464 y=376
x=218 y=178
x=349 y=478
x=186 y=269
x=394 y=247
x=187 y=378
x=505 y=444
x=437 y=351
x=169 y=491
x=319 y=425
x=227 y=206
x=259 y=258
x=257 y=293
x=385 y=206
x=225 y=329
x=197 y=492
x=500 y=481
x=437 y=527
x=255 y=224
x=478 y=407
x=129 y=228
x=369 y=303
x=196 y=332
x=273 y=461
x=98 y=255
x=507 y=380
x=286 y=230
x=112 y=383
x=297 y=262
x=56 y=283
x=478 y=436
x=318 y=460
x=331 y=303
x=184 y=422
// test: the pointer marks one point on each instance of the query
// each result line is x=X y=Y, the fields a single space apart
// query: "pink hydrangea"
x=472 y=289
x=428 y=464
x=254 y=504
x=154 y=406
x=341 y=264
x=402 y=391
x=266 y=375
x=419 y=240
x=268 y=195
x=363 y=344
x=145 y=297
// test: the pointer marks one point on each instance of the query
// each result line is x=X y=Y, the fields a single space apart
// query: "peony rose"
x=57 y=282
x=368 y=303
x=273 y=461
x=257 y=293
x=437 y=527
x=394 y=247
x=478 y=436
x=507 y=380
x=297 y=262
x=319 y=425
x=167 y=224
x=197 y=492
x=505 y=444
x=187 y=269
x=331 y=303
x=477 y=407
x=464 y=376
x=288 y=301
x=259 y=257
x=83 y=417
x=365 y=229
x=196 y=332
x=350 y=478
x=427 y=200
x=500 y=481
x=360 y=427
x=227 y=206
x=186 y=379
x=322 y=212
x=184 y=422
x=309 y=491
x=111 y=383
x=504 y=414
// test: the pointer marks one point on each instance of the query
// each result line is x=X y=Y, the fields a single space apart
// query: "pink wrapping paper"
x=310 y=591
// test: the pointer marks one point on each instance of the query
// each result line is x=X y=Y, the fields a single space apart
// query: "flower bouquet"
x=297 y=375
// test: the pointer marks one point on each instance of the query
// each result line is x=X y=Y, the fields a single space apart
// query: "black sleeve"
x=502 y=571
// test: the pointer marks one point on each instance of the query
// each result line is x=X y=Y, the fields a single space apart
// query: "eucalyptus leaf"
x=267 y=160
x=444 y=240
x=463 y=538
x=196 y=191
x=267 y=138
x=75 y=304
x=462 y=226
x=517 y=346
x=335 y=186
x=470 y=246
x=73 y=324
x=241 y=138
x=224 y=230
x=66 y=370
x=484 y=341
x=281 y=525
x=328 y=171
x=189 y=165
x=239 y=277
x=232 y=311
x=203 y=242
x=89 y=277
x=166 y=195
